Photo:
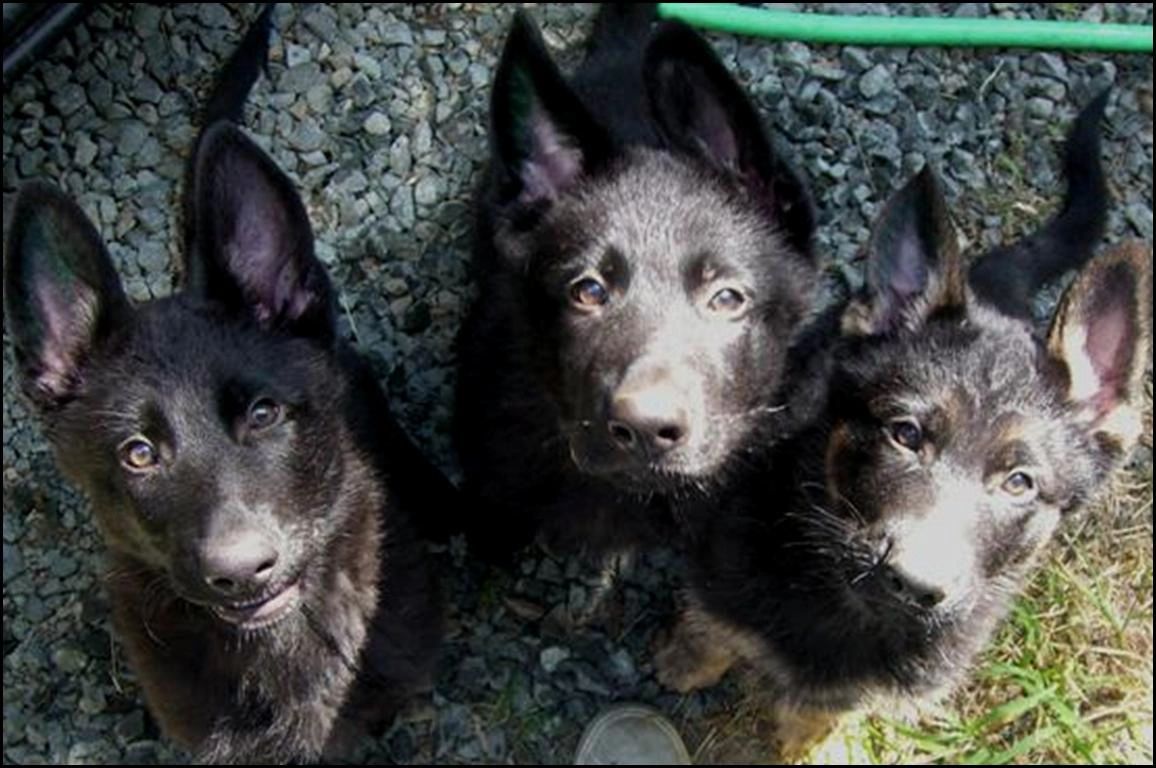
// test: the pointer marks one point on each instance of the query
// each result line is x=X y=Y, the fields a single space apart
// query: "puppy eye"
x=263 y=413
x=588 y=292
x=907 y=433
x=727 y=301
x=138 y=454
x=1019 y=484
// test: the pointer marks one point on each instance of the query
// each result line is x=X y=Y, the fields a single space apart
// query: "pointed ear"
x=61 y=293
x=1101 y=333
x=914 y=267
x=253 y=247
x=543 y=138
x=701 y=111
x=1009 y=276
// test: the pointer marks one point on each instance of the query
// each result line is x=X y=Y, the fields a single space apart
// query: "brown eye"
x=138 y=454
x=727 y=301
x=1019 y=484
x=263 y=413
x=907 y=434
x=588 y=292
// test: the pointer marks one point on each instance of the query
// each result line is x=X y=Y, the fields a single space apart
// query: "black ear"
x=543 y=138
x=1101 y=334
x=253 y=247
x=61 y=293
x=700 y=110
x=1007 y=277
x=913 y=263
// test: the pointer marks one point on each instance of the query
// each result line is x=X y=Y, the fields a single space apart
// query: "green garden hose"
x=908 y=30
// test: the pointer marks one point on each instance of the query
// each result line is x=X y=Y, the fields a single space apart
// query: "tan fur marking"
x=840 y=437
x=799 y=732
x=695 y=653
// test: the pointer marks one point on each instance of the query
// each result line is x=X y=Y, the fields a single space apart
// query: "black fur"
x=581 y=408
x=254 y=494
x=876 y=549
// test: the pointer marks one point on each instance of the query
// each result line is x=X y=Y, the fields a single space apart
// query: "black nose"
x=242 y=564
x=649 y=421
x=910 y=589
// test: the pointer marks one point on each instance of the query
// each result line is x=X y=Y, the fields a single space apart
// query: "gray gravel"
x=379 y=113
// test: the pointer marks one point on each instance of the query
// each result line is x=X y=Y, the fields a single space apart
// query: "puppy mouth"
x=640 y=474
x=263 y=613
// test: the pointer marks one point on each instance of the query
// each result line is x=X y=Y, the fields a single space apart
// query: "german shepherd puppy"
x=879 y=547
x=264 y=573
x=644 y=258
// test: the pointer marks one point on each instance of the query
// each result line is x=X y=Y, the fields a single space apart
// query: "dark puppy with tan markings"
x=264 y=574
x=645 y=259
x=877 y=549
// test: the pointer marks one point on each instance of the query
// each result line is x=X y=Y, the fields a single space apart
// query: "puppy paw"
x=685 y=660
x=800 y=735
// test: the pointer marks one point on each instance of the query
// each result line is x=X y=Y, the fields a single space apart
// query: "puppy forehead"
x=662 y=206
x=960 y=374
x=172 y=349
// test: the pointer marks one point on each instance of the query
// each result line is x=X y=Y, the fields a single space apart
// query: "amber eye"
x=1019 y=484
x=588 y=292
x=907 y=434
x=263 y=413
x=138 y=454
x=727 y=301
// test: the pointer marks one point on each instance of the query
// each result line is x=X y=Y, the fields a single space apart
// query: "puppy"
x=644 y=258
x=264 y=574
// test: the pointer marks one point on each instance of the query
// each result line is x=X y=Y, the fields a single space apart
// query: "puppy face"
x=959 y=439
x=667 y=302
x=955 y=472
x=663 y=285
x=206 y=428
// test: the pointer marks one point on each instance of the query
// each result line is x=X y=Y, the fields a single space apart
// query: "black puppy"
x=242 y=466
x=644 y=259
x=876 y=550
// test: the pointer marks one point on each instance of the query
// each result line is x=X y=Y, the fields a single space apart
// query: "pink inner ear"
x=258 y=254
x=53 y=312
x=553 y=163
x=1107 y=349
x=69 y=318
x=714 y=129
x=909 y=276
